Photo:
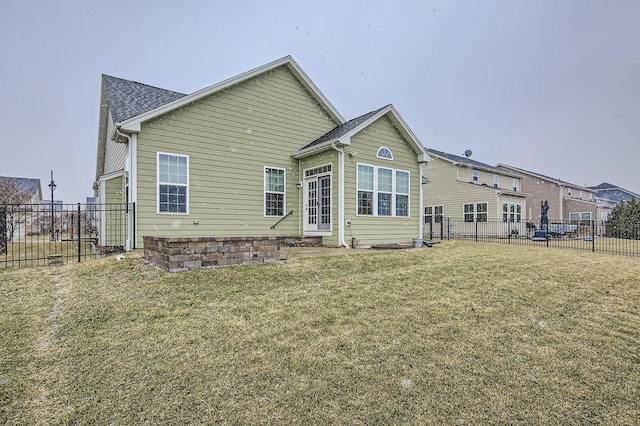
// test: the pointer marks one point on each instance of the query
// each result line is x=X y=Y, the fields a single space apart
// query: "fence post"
x=79 y=239
x=476 y=230
x=593 y=236
x=3 y=229
x=448 y=229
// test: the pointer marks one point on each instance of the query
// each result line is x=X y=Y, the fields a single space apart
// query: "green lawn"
x=460 y=333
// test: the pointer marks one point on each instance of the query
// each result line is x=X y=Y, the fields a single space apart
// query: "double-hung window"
x=385 y=191
x=475 y=212
x=173 y=183
x=433 y=214
x=274 y=184
x=402 y=193
x=382 y=191
x=365 y=189
x=511 y=212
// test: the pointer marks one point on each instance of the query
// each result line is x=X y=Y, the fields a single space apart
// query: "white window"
x=385 y=191
x=496 y=181
x=402 y=193
x=385 y=153
x=382 y=191
x=173 y=183
x=475 y=212
x=365 y=189
x=511 y=212
x=516 y=184
x=433 y=214
x=476 y=175
x=274 y=194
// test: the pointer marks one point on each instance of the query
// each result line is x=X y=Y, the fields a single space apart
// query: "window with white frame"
x=365 y=189
x=580 y=217
x=469 y=212
x=496 y=181
x=385 y=153
x=402 y=193
x=274 y=191
x=173 y=183
x=433 y=214
x=515 y=184
x=511 y=212
x=475 y=212
x=476 y=175
x=382 y=191
x=385 y=191
x=482 y=211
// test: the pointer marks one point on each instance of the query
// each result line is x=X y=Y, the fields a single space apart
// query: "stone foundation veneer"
x=177 y=254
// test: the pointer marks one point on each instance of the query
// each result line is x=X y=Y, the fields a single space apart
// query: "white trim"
x=384 y=158
x=186 y=212
x=264 y=192
x=376 y=191
x=305 y=200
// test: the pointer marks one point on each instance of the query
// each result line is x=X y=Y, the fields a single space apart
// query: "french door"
x=317 y=210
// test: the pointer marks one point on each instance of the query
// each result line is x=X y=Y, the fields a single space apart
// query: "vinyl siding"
x=368 y=230
x=450 y=187
x=115 y=152
x=229 y=138
x=114 y=222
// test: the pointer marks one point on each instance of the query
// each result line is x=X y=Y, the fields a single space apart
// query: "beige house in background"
x=567 y=201
x=461 y=188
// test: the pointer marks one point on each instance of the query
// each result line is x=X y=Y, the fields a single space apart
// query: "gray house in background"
x=607 y=192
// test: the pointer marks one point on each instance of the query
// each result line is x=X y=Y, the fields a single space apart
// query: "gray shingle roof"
x=129 y=98
x=27 y=185
x=343 y=129
x=464 y=160
x=613 y=192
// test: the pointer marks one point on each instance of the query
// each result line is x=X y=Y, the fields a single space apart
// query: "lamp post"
x=52 y=185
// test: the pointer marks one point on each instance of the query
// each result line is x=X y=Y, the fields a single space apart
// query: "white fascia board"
x=341 y=141
x=133 y=124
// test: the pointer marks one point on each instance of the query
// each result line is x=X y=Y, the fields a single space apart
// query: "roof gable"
x=27 y=185
x=342 y=133
x=132 y=124
x=128 y=99
x=547 y=178
x=468 y=162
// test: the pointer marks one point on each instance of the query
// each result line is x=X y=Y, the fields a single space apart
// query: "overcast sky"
x=548 y=86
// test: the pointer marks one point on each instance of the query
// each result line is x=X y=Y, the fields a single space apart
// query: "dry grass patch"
x=458 y=333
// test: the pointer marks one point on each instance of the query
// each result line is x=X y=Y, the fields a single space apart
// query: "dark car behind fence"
x=42 y=234
x=592 y=236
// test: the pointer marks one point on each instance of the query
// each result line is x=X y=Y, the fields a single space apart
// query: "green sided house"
x=263 y=154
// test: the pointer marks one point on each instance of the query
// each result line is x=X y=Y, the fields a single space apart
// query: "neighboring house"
x=15 y=190
x=20 y=218
x=462 y=188
x=567 y=201
x=261 y=154
x=609 y=193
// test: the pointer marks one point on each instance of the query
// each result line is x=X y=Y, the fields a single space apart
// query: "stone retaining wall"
x=175 y=254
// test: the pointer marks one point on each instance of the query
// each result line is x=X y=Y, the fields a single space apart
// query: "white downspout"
x=421 y=167
x=340 y=194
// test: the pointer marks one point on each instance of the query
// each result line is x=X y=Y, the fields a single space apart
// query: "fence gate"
x=44 y=234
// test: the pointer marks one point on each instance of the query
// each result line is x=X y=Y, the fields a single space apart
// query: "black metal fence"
x=45 y=234
x=571 y=235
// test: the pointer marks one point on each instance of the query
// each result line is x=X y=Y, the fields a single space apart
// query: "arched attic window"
x=385 y=153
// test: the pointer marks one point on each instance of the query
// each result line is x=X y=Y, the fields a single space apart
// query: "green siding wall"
x=230 y=137
x=364 y=147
